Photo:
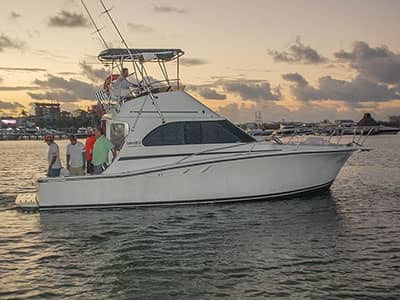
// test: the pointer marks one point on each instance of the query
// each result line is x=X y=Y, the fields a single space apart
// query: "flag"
x=101 y=95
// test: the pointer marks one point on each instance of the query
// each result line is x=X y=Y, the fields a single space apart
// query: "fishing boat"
x=173 y=149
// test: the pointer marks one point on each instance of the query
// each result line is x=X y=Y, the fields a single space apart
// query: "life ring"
x=107 y=82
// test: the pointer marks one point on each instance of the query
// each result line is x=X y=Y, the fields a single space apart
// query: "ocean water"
x=341 y=244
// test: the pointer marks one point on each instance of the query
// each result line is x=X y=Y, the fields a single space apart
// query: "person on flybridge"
x=121 y=87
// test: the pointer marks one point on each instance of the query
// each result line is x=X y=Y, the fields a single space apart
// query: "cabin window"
x=117 y=134
x=212 y=133
x=168 y=134
x=192 y=132
x=196 y=132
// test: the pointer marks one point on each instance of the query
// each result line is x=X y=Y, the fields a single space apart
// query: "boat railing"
x=154 y=87
x=359 y=140
x=108 y=101
x=360 y=135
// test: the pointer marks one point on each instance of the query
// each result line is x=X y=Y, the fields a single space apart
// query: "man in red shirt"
x=89 y=145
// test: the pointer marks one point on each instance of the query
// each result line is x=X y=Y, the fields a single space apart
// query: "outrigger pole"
x=144 y=78
x=98 y=30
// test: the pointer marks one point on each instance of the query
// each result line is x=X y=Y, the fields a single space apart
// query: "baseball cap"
x=48 y=138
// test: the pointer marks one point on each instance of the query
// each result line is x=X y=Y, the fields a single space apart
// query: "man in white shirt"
x=121 y=88
x=53 y=157
x=75 y=157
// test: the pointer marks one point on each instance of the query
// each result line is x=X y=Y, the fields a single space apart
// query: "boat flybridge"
x=172 y=149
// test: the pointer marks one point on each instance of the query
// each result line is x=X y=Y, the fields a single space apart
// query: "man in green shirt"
x=100 y=152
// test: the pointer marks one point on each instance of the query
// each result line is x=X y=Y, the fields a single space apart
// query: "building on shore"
x=367 y=120
x=47 y=111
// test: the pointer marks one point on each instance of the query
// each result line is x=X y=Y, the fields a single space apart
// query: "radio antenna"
x=98 y=30
x=135 y=66
x=107 y=11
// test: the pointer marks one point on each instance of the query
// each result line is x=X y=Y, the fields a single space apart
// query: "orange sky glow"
x=303 y=60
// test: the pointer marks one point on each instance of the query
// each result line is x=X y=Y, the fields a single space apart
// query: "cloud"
x=23 y=69
x=298 y=53
x=34 y=33
x=356 y=90
x=13 y=16
x=207 y=93
x=253 y=70
x=192 y=62
x=68 y=19
x=253 y=90
x=139 y=27
x=8 y=43
x=249 y=90
x=48 y=54
x=95 y=75
x=10 y=105
x=18 y=88
x=68 y=73
x=63 y=90
x=376 y=64
x=168 y=9
x=295 y=77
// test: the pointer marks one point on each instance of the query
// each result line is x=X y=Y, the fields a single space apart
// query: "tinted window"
x=168 y=134
x=197 y=132
x=243 y=136
x=213 y=132
x=192 y=133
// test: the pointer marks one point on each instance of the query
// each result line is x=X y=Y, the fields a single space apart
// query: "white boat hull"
x=238 y=178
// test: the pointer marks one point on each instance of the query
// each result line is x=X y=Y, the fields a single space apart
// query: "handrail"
x=155 y=87
x=340 y=136
x=368 y=134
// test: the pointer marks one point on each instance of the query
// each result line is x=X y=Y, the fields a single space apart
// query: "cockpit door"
x=117 y=132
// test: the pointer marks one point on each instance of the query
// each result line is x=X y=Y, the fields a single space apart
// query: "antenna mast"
x=141 y=71
x=98 y=30
x=107 y=11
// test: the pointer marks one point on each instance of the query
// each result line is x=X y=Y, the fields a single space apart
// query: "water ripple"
x=337 y=245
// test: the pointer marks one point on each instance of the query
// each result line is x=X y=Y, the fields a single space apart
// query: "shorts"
x=76 y=171
x=99 y=169
x=54 y=172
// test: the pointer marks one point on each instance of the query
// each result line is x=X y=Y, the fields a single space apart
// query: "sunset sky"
x=293 y=60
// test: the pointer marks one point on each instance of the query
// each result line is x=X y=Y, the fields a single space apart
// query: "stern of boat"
x=27 y=202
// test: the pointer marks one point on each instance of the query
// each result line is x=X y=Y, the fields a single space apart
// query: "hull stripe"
x=188 y=154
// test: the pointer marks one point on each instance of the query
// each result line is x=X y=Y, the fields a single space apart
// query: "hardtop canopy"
x=139 y=55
